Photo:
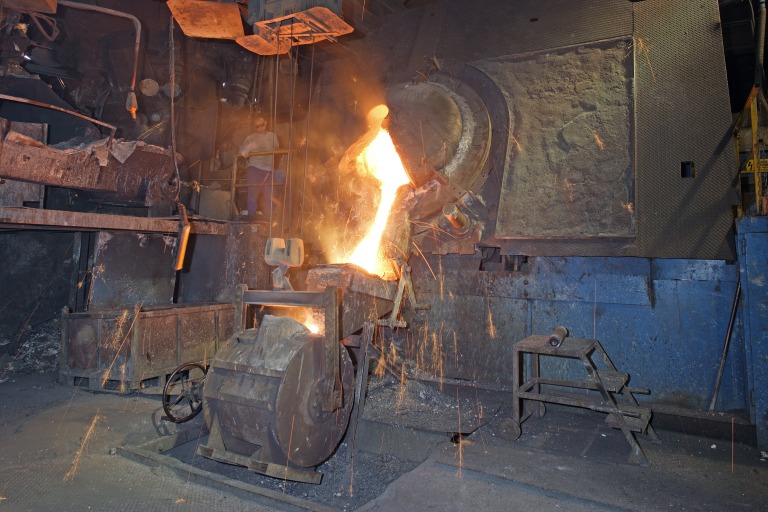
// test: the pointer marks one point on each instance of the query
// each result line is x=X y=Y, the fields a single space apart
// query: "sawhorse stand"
x=613 y=396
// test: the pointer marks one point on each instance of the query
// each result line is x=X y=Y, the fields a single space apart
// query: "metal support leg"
x=361 y=381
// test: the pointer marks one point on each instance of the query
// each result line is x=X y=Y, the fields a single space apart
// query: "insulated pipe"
x=458 y=220
x=558 y=336
x=760 y=42
x=131 y=104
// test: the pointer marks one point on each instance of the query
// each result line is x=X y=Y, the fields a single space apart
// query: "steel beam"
x=78 y=221
x=48 y=166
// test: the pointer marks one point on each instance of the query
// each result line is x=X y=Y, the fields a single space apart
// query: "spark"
x=437 y=357
x=516 y=143
x=393 y=361
x=568 y=189
x=461 y=448
x=403 y=386
x=480 y=419
x=442 y=277
x=491 y=328
x=381 y=364
x=598 y=139
x=629 y=207
x=118 y=332
x=594 y=314
x=179 y=500
x=644 y=49
x=288 y=456
x=455 y=350
x=78 y=455
x=425 y=260
x=351 y=491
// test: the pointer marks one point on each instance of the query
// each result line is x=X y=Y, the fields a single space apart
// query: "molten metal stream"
x=380 y=160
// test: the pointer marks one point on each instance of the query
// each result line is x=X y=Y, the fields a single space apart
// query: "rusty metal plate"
x=157 y=340
x=197 y=335
x=306 y=27
x=364 y=297
x=115 y=346
x=213 y=20
x=82 y=342
x=45 y=6
x=262 y=45
x=324 y=19
x=50 y=166
x=301 y=424
x=119 y=282
x=350 y=277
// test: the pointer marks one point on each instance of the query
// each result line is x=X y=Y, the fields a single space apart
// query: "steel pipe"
x=131 y=104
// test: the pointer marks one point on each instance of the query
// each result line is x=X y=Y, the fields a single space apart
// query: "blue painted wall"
x=752 y=246
x=662 y=321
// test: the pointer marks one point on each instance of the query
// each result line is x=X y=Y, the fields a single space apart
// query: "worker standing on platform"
x=259 y=148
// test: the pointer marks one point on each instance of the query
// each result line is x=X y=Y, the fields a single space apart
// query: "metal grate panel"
x=683 y=115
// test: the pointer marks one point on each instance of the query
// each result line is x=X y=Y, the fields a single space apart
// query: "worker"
x=260 y=166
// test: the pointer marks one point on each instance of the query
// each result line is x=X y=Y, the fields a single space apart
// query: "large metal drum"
x=263 y=396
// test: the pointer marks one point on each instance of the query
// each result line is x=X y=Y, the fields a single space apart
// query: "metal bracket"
x=404 y=285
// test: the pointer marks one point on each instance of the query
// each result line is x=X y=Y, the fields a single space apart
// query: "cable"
x=287 y=203
x=306 y=138
x=274 y=119
x=172 y=64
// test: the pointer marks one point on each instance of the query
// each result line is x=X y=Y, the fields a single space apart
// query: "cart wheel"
x=510 y=429
x=183 y=392
x=535 y=408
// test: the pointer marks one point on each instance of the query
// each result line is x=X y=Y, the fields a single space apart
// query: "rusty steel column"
x=331 y=384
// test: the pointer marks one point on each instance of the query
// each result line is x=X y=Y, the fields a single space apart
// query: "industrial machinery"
x=277 y=398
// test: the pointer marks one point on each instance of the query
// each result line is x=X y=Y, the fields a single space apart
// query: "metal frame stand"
x=615 y=398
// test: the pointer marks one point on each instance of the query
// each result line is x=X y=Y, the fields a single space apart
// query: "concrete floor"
x=57 y=452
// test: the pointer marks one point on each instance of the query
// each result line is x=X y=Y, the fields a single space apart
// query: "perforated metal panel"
x=460 y=31
x=683 y=121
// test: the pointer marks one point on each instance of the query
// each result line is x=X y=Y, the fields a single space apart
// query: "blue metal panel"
x=753 y=254
x=661 y=321
x=672 y=347
x=613 y=280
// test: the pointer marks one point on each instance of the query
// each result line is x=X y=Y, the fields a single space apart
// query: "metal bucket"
x=263 y=400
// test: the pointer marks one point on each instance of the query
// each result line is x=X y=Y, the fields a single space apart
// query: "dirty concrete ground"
x=57 y=452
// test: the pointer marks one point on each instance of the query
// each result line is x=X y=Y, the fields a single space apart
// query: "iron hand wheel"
x=183 y=392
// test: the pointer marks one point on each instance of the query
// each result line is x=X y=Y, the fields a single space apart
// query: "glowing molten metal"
x=380 y=160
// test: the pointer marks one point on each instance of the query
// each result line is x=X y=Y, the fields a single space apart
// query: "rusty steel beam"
x=48 y=166
x=284 y=298
x=77 y=221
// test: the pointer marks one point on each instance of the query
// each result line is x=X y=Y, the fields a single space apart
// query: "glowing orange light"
x=309 y=319
x=380 y=160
